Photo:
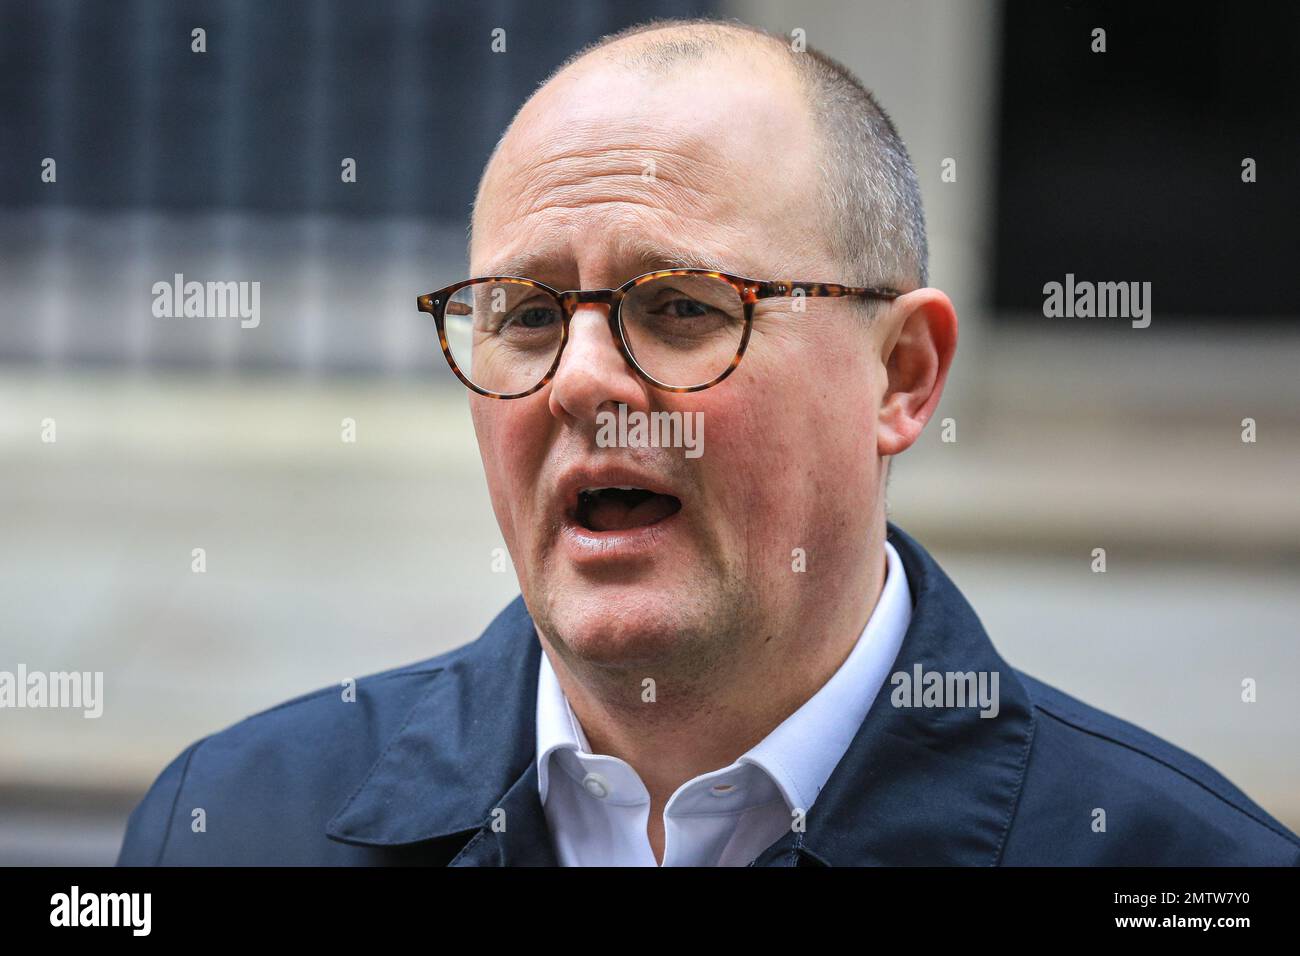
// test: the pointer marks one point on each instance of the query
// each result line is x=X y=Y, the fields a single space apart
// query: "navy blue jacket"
x=412 y=771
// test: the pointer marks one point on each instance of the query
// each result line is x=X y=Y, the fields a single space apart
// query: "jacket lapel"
x=460 y=776
x=520 y=838
x=917 y=786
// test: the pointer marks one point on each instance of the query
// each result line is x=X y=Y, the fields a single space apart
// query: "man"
x=725 y=659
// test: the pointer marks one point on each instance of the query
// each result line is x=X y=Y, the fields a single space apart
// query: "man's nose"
x=593 y=372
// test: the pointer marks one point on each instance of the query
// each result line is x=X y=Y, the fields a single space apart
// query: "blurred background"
x=327 y=559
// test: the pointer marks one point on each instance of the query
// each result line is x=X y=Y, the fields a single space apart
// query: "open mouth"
x=622 y=507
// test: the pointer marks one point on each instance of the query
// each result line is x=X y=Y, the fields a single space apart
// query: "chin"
x=616 y=630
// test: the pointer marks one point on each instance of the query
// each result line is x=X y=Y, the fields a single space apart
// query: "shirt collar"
x=557 y=727
x=801 y=752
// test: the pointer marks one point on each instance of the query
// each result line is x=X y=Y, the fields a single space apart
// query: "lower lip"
x=594 y=549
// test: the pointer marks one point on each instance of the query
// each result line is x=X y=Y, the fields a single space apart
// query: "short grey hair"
x=869 y=186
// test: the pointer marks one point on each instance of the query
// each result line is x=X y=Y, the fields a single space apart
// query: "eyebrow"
x=641 y=255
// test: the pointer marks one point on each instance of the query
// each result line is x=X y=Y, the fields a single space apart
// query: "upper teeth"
x=587 y=491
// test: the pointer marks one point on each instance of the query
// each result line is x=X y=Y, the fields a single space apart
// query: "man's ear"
x=920 y=339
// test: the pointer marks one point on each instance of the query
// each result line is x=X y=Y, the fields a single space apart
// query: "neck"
x=704 y=718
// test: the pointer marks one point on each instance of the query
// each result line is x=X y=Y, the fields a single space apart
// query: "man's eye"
x=683 y=308
x=536 y=317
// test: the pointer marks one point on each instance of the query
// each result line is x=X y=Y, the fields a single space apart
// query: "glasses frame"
x=749 y=290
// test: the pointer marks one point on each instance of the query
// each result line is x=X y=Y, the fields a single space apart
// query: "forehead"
x=608 y=168
x=632 y=252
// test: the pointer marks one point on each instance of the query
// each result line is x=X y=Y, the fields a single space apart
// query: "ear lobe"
x=916 y=357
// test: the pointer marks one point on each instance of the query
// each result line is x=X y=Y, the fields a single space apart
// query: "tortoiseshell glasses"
x=682 y=330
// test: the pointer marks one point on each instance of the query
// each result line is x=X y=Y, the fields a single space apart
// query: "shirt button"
x=596 y=785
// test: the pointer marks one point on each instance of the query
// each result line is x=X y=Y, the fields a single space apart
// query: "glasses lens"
x=503 y=334
x=683 y=330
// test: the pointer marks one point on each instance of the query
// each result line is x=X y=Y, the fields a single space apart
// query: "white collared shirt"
x=597 y=807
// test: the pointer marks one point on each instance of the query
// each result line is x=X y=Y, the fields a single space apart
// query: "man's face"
x=602 y=168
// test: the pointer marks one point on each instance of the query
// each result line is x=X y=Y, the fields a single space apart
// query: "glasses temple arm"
x=830 y=289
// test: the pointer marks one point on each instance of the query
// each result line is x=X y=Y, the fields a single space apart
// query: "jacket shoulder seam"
x=1290 y=838
x=176 y=799
x=312 y=695
x=194 y=748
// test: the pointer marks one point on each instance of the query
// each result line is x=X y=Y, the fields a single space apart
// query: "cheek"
x=793 y=456
x=759 y=473
x=513 y=445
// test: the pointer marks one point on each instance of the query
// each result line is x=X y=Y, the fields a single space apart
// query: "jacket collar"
x=465 y=750
x=924 y=786
x=934 y=786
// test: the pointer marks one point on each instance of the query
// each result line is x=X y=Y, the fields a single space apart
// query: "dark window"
x=1126 y=165
x=262 y=120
